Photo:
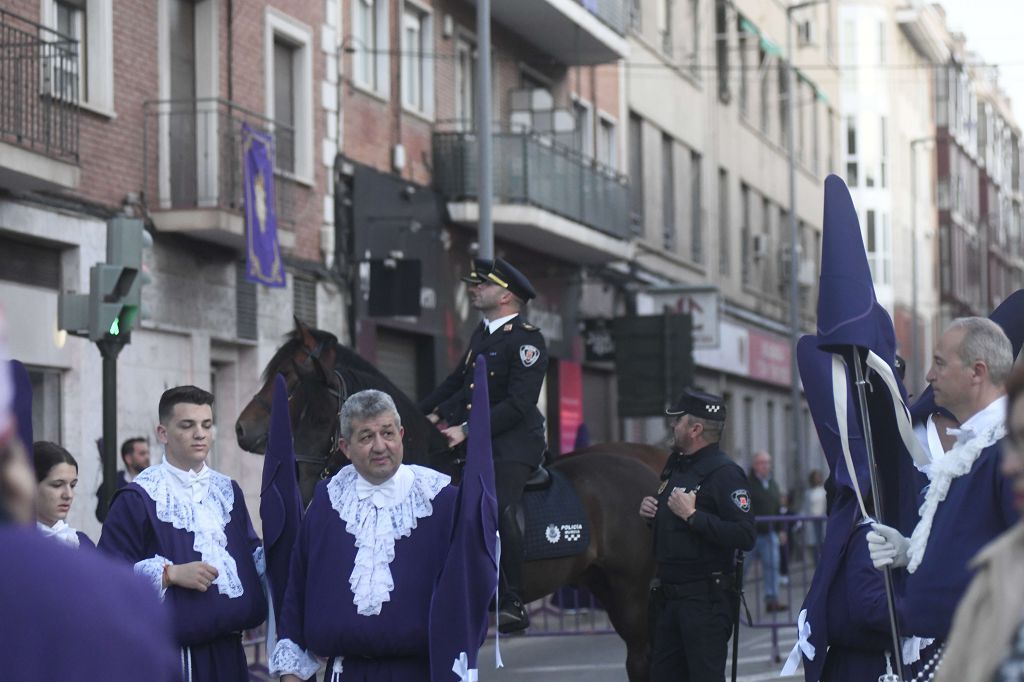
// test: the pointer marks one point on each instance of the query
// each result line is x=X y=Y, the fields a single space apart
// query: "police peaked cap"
x=478 y=270
x=700 y=405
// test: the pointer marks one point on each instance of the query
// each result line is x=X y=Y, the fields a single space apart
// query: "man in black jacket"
x=517 y=360
x=701 y=516
x=766 y=500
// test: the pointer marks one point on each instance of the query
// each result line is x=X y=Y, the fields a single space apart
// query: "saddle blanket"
x=555 y=523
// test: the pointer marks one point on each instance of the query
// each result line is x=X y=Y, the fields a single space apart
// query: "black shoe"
x=512 y=616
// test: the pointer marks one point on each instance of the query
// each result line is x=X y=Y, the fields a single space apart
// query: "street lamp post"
x=485 y=177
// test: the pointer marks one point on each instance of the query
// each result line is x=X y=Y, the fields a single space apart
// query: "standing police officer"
x=701 y=517
x=516 y=363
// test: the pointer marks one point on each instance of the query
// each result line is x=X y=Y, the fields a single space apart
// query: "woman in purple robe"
x=186 y=529
x=57 y=477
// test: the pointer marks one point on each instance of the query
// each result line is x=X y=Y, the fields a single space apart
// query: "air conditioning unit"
x=758 y=246
x=805 y=33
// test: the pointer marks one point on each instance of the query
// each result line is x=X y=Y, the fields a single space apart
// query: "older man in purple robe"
x=185 y=528
x=372 y=554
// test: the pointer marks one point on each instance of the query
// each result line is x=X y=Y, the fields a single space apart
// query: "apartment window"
x=370 y=42
x=284 y=105
x=696 y=210
x=46 y=403
x=83 y=71
x=745 y=234
x=849 y=40
x=584 y=133
x=765 y=89
x=801 y=115
x=417 y=58
x=636 y=171
x=883 y=132
x=723 y=221
x=694 y=19
x=743 y=40
x=663 y=20
x=668 y=194
x=289 y=77
x=851 y=151
x=33 y=263
x=607 y=147
x=783 y=104
x=815 y=134
x=722 y=50
x=465 y=84
x=878 y=243
x=831 y=142
x=304 y=299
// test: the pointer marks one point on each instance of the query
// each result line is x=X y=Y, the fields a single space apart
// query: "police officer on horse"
x=701 y=518
x=517 y=360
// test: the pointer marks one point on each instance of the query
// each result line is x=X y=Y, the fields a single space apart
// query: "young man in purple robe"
x=185 y=528
x=371 y=556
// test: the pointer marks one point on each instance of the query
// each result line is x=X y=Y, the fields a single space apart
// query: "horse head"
x=320 y=374
x=315 y=393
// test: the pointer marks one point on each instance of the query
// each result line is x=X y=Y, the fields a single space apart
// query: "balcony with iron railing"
x=39 y=113
x=546 y=194
x=193 y=169
x=574 y=32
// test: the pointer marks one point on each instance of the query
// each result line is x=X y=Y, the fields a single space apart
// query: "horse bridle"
x=338 y=390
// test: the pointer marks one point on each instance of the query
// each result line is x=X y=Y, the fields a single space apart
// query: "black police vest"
x=682 y=554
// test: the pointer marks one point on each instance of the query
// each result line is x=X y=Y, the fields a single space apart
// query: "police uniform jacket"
x=517 y=360
x=705 y=543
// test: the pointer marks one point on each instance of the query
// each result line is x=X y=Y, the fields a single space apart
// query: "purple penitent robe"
x=71 y=615
x=207 y=625
x=320 y=616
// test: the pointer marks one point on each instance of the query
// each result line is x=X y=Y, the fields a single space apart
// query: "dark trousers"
x=509 y=480
x=691 y=638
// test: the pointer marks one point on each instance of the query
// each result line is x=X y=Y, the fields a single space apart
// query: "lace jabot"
x=376 y=528
x=941 y=472
x=206 y=519
x=61 y=532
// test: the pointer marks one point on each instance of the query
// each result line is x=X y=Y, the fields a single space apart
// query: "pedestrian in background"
x=815 y=504
x=766 y=500
x=135 y=456
x=56 y=478
x=702 y=518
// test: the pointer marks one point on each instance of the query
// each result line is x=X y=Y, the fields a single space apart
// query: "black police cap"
x=702 y=405
x=507 y=277
x=478 y=270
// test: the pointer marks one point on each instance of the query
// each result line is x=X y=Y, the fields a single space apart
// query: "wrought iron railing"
x=614 y=13
x=39 y=88
x=193 y=156
x=530 y=168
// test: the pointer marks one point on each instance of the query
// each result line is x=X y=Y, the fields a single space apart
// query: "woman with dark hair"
x=57 y=476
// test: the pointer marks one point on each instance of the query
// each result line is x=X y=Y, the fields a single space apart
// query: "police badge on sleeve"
x=529 y=355
x=741 y=498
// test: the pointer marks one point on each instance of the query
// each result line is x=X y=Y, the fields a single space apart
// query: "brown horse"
x=610 y=478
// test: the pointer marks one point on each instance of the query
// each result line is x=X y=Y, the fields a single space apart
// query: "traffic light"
x=115 y=287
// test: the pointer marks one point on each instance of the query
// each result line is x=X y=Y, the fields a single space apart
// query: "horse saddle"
x=553 y=520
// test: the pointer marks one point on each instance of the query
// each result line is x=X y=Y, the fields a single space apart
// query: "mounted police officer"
x=516 y=363
x=701 y=518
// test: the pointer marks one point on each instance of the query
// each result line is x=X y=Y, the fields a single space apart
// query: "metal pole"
x=794 y=250
x=876 y=497
x=485 y=187
x=109 y=347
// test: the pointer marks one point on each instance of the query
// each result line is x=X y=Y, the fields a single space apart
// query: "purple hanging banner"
x=263 y=254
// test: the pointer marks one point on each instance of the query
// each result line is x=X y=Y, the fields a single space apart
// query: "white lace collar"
x=948 y=466
x=376 y=528
x=61 y=532
x=206 y=518
x=389 y=493
x=190 y=485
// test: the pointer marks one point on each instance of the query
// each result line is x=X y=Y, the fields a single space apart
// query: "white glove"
x=887 y=547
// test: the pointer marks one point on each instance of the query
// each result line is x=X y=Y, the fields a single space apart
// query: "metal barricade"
x=797 y=543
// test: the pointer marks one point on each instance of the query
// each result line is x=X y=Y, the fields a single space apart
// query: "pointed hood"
x=280 y=503
x=469 y=579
